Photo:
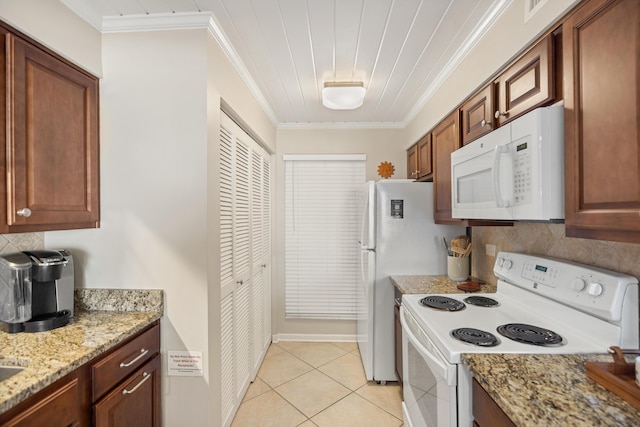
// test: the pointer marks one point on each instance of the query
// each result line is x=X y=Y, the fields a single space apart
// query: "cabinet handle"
x=483 y=122
x=498 y=114
x=25 y=212
x=263 y=265
x=145 y=377
x=239 y=282
x=143 y=352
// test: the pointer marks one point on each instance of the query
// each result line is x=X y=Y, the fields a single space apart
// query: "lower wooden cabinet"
x=61 y=404
x=486 y=412
x=119 y=388
x=398 y=340
x=134 y=403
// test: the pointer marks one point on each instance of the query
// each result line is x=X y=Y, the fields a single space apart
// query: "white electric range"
x=542 y=306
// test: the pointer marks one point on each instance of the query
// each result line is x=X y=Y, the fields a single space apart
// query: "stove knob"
x=578 y=285
x=499 y=262
x=595 y=289
x=507 y=264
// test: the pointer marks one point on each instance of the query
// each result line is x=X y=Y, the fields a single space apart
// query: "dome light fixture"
x=343 y=95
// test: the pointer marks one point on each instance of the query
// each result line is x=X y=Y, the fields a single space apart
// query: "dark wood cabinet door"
x=477 y=115
x=412 y=162
x=51 y=143
x=527 y=83
x=425 y=162
x=602 y=120
x=486 y=412
x=446 y=139
x=398 y=340
x=61 y=404
x=135 y=403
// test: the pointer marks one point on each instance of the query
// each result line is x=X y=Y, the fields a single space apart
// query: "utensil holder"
x=458 y=268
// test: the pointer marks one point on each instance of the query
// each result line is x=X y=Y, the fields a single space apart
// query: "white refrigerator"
x=398 y=237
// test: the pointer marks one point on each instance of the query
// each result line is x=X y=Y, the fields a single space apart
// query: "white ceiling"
x=402 y=50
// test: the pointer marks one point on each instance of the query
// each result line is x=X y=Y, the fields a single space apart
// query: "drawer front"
x=58 y=409
x=120 y=363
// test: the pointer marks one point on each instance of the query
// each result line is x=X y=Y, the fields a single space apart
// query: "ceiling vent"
x=531 y=7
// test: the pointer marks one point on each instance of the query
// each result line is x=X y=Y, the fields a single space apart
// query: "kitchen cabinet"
x=446 y=139
x=49 y=130
x=527 y=83
x=412 y=161
x=62 y=404
x=125 y=383
x=134 y=403
x=602 y=120
x=477 y=114
x=485 y=410
x=398 y=338
x=94 y=394
x=419 y=160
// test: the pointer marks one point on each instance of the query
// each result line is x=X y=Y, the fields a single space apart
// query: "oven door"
x=429 y=381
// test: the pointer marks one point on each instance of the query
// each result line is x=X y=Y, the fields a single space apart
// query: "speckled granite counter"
x=431 y=285
x=48 y=356
x=550 y=390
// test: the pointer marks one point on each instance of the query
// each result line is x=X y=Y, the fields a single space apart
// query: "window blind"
x=321 y=234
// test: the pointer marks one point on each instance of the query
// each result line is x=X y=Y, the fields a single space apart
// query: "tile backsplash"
x=21 y=242
x=549 y=240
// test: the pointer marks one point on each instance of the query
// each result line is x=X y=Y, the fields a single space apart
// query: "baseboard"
x=313 y=338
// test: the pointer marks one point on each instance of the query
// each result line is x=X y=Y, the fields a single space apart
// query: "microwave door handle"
x=497 y=156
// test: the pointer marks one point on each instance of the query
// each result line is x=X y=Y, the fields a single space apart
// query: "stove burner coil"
x=476 y=337
x=481 y=301
x=529 y=334
x=442 y=303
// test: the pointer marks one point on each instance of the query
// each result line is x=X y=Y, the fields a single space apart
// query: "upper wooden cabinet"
x=602 y=120
x=425 y=160
x=412 y=161
x=419 y=160
x=446 y=139
x=49 y=134
x=527 y=83
x=478 y=115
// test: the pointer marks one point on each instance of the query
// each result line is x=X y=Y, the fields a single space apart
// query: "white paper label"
x=184 y=363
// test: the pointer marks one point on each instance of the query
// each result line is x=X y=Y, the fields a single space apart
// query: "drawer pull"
x=143 y=352
x=145 y=377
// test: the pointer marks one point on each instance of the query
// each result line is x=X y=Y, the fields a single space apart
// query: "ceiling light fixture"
x=343 y=95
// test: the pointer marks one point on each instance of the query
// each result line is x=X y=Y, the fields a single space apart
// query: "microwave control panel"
x=522 y=179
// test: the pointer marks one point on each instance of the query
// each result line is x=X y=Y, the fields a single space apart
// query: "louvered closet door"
x=245 y=316
x=260 y=254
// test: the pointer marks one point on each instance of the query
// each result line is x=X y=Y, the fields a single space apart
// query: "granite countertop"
x=433 y=285
x=102 y=319
x=535 y=390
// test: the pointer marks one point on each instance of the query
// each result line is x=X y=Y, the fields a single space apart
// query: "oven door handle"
x=435 y=361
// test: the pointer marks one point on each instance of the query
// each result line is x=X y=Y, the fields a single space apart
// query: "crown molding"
x=486 y=22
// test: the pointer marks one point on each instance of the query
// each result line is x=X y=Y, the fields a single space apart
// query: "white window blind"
x=321 y=233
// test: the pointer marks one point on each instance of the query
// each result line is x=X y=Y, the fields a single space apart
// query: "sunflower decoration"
x=385 y=169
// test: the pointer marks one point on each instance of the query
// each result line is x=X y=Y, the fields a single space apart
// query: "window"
x=321 y=234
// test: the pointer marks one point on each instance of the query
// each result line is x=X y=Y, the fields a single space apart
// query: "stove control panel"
x=594 y=290
x=541 y=273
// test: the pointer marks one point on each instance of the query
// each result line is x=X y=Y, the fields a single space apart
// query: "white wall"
x=55 y=26
x=379 y=145
x=153 y=168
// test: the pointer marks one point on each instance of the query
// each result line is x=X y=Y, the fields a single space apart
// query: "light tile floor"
x=317 y=384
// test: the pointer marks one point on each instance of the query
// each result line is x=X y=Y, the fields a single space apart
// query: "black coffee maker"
x=36 y=290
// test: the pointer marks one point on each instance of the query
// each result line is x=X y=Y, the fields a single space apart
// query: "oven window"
x=427 y=394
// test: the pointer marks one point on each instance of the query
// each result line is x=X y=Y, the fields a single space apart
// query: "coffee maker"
x=36 y=290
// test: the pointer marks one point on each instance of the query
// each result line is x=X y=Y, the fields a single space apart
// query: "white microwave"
x=516 y=172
